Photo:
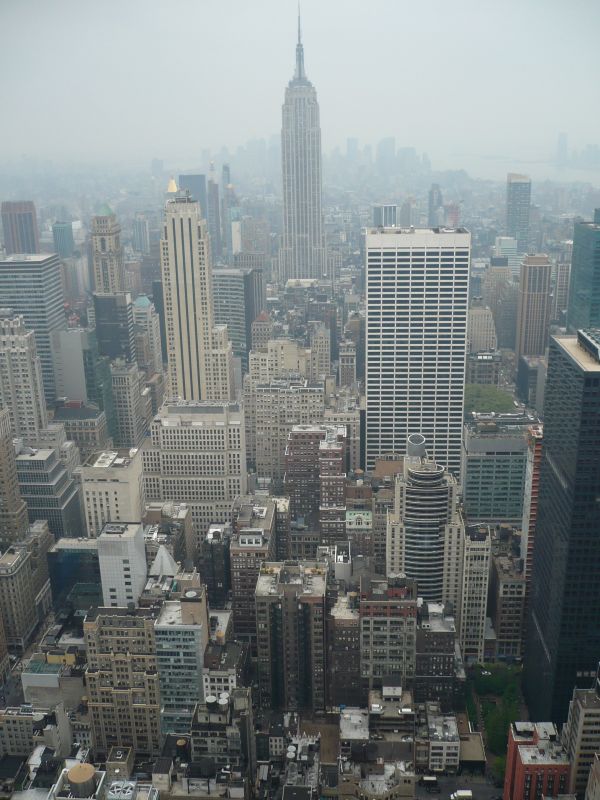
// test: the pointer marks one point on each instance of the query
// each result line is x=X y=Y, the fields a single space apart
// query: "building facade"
x=584 y=287
x=19 y=225
x=534 y=306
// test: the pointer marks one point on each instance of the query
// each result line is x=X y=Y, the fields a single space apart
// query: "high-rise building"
x=140 y=234
x=518 y=204
x=196 y=186
x=384 y=216
x=19 y=223
x=584 y=289
x=62 y=235
x=507 y=599
x=581 y=735
x=115 y=332
x=302 y=253
x=122 y=680
x=560 y=292
x=147 y=323
x=85 y=426
x=112 y=489
x=13 y=511
x=343 y=653
x=32 y=286
x=435 y=206
x=181 y=631
x=562 y=642
x=290 y=615
x=417 y=295
x=17 y=598
x=347 y=363
x=506 y=247
x=107 y=253
x=122 y=560
x=239 y=298
x=132 y=404
x=196 y=454
x=534 y=306
x=474 y=592
x=535 y=438
x=199 y=354
x=500 y=293
x=213 y=217
x=21 y=385
x=425 y=529
x=481 y=329
x=49 y=490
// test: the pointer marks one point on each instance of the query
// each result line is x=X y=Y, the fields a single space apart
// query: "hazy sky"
x=132 y=79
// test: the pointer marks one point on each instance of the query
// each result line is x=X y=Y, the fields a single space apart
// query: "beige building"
x=196 y=454
x=347 y=363
x=534 y=306
x=475 y=578
x=581 y=736
x=107 y=253
x=112 y=489
x=13 y=510
x=199 y=355
x=122 y=680
x=481 y=330
x=132 y=404
x=21 y=385
x=17 y=598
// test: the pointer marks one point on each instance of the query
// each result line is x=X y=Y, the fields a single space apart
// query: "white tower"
x=303 y=251
x=416 y=340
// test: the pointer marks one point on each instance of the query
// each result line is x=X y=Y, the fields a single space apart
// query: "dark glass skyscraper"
x=563 y=642
x=518 y=205
x=584 y=289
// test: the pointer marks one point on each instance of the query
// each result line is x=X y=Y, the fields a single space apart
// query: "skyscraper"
x=62 y=234
x=19 y=223
x=584 y=289
x=214 y=215
x=13 y=511
x=21 y=388
x=107 y=252
x=534 y=306
x=196 y=186
x=416 y=340
x=199 y=354
x=564 y=636
x=518 y=202
x=32 y=286
x=114 y=325
x=303 y=250
x=435 y=205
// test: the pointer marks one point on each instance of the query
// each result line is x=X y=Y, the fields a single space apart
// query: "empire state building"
x=302 y=254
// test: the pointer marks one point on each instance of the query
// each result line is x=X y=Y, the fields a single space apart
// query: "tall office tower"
x=32 y=286
x=518 y=204
x=122 y=680
x=584 y=288
x=506 y=247
x=62 y=235
x=302 y=253
x=140 y=234
x=417 y=296
x=481 y=329
x=122 y=560
x=132 y=404
x=474 y=593
x=196 y=186
x=113 y=317
x=19 y=223
x=254 y=541
x=581 y=735
x=196 y=454
x=195 y=370
x=347 y=363
x=281 y=404
x=17 y=598
x=535 y=438
x=320 y=352
x=146 y=320
x=534 y=306
x=562 y=643
x=506 y=605
x=435 y=206
x=48 y=490
x=13 y=511
x=182 y=631
x=385 y=216
x=213 y=217
x=290 y=615
x=388 y=627
x=494 y=468
x=560 y=292
x=107 y=253
x=239 y=297
x=112 y=489
x=332 y=460
x=425 y=529
x=21 y=385
x=5 y=662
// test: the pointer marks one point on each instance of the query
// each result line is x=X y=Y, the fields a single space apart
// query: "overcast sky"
x=116 y=80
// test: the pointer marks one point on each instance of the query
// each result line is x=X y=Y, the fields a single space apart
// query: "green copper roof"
x=105 y=211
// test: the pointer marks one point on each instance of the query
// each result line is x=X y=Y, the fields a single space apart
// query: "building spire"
x=300 y=74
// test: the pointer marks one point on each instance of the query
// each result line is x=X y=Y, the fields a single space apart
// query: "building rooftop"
x=544 y=752
x=343 y=608
x=584 y=349
x=69 y=543
x=114 y=459
x=354 y=724
x=122 y=529
x=309 y=576
x=175 y=612
x=36 y=258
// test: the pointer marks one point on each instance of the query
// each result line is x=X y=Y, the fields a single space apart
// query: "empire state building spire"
x=302 y=253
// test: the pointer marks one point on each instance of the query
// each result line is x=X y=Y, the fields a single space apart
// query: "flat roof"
x=584 y=360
